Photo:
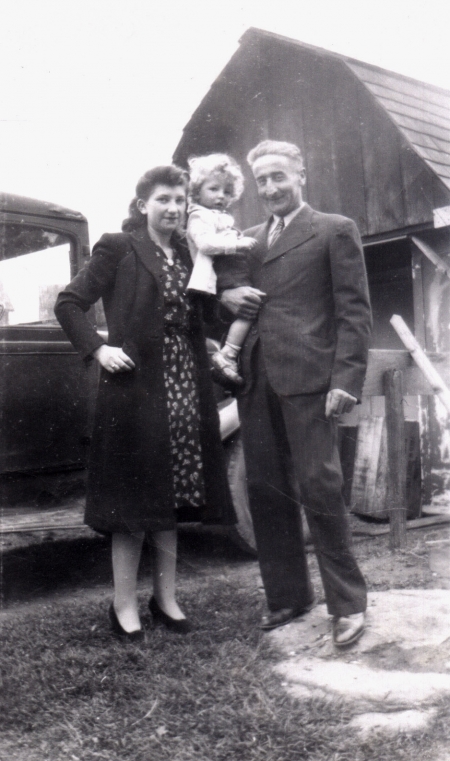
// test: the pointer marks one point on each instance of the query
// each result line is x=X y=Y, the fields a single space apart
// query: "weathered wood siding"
x=358 y=162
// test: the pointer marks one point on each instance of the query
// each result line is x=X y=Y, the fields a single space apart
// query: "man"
x=304 y=364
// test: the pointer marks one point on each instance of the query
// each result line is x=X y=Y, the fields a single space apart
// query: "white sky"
x=95 y=92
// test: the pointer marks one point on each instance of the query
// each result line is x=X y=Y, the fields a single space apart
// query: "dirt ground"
x=37 y=568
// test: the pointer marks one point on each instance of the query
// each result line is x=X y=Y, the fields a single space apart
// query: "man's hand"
x=243 y=301
x=338 y=402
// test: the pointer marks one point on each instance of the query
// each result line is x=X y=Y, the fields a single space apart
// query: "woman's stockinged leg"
x=164 y=572
x=126 y=554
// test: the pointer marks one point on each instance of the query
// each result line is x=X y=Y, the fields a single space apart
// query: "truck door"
x=45 y=390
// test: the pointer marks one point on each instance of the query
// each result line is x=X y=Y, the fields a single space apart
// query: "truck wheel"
x=242 y=533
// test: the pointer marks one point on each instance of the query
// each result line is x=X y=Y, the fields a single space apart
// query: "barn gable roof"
x=420 y=110
x=376 y=143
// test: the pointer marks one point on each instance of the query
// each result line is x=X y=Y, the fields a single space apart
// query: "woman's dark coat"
x=130 y=485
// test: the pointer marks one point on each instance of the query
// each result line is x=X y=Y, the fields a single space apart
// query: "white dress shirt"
x=287 y=219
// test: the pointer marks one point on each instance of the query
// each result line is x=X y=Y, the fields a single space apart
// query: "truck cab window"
x=34 y=267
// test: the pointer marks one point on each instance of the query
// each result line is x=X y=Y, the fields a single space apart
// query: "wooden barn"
x=377 y=149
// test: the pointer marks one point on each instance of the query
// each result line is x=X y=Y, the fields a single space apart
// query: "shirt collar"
x=288 y=218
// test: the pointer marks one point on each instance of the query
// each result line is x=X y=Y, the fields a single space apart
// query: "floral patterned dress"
x=180 y=377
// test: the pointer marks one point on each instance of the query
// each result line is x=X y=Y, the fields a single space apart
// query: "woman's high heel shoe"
x=179 y=625
x=119 y=631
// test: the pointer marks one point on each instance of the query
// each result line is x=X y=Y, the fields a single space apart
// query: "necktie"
x=279 y=227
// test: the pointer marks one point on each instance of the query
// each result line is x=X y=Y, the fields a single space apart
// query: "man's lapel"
x=297 y=232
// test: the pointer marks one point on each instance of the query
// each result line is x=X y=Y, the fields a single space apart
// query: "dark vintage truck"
x=47 y=394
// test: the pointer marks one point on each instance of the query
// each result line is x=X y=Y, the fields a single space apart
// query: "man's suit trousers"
x=286 y=437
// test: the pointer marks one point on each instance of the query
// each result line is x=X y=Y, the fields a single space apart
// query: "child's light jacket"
x=210 y=233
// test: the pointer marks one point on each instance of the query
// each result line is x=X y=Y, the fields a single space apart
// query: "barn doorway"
x=389 y=271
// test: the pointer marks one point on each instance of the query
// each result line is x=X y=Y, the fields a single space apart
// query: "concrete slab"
x=401 y=662
x=366 y=685
x=398 y=721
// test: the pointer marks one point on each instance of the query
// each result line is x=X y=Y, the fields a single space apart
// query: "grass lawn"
x=70 y=691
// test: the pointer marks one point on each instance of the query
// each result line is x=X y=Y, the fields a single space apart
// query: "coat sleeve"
x=94 y=281
x=206 y=239
x=352 y=313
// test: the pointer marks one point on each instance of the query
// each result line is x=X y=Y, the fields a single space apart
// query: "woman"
x=155 y=445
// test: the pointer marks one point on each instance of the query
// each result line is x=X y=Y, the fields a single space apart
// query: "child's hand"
x=245 y=243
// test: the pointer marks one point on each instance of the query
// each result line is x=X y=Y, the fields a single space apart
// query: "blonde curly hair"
x=202 y=167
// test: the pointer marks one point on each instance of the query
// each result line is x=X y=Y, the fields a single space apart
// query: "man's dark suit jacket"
x=315 y=324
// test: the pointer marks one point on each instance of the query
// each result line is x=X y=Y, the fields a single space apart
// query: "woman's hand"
x=246 y=243
x=113 y=359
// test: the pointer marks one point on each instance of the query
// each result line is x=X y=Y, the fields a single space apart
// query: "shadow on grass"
x=42 y=569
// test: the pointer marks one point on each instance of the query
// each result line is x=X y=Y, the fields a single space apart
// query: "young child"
x=216 y=181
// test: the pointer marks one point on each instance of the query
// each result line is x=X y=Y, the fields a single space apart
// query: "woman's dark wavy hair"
x=170 y=175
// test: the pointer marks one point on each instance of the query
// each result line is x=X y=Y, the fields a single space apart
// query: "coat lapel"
x=146 y=251
x=297 y=232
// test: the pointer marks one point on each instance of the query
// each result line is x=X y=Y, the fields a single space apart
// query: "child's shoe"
x=226 y=369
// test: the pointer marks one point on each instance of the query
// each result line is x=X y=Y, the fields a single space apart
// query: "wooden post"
x=396 y=470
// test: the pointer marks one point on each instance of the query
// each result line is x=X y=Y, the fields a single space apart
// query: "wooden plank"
x=319 y=132
x=432 y=143
x=420 y=90
x=250 y=126
x=18 y=521
x=436 y=287
x=418 y=298
x=396 y=468
x=431 y=374
x=417 y=186
x=434 y=155
x=420 y=333
x=369 y=481
x=369 y=530
x=381 y=143
x=442 y=170
x=413 y=470
x=414 y=383
x=349 y=159
x=438 y=262
x=416 y=125
x=441 y=217
x=441 y=192
x=283 y=83
x=401 y=97
x=369 y=473
x=419 y=112
x=376 y=405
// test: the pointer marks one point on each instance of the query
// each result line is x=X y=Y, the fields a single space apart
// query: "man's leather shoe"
x=284 y=616
x=348 y=629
